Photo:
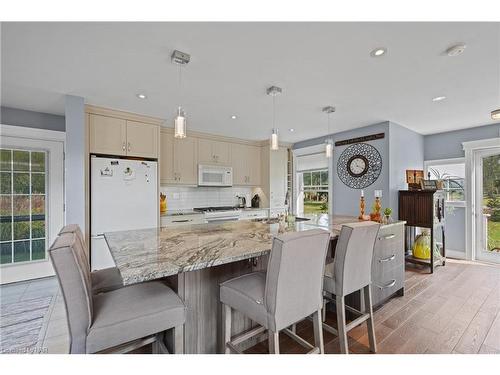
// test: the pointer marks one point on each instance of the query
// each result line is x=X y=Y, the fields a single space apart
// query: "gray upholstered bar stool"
x=288 y=292
x=103 y=280
x=119 y=320
x=349 y=272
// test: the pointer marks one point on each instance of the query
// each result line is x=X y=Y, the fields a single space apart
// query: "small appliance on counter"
x=256 y=201
x=242 y=201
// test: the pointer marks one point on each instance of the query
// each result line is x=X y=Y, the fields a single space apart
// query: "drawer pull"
x=388 y=259
x=181 y=221
x=388 y=237
x=390 y=285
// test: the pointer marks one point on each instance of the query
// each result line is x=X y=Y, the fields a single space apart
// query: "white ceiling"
x=316 y=64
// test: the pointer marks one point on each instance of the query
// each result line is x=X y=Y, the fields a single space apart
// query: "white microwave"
x=214 y=175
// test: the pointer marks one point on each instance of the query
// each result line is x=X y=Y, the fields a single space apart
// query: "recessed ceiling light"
x=233 y=117
x=456 y=50
x=377 y=52
x=291 y=129
x=438 y=98
x=142 y=96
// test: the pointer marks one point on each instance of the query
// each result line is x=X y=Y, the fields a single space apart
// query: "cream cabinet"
x=107 y=135
x=214 y=152
x=178 y=160
x=142 y=139
x=246 y=164
x=117 y=136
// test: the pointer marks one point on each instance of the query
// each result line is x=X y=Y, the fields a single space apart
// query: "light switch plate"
x=176 y=195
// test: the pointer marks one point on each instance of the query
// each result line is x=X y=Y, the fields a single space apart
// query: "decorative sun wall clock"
x=359 y=165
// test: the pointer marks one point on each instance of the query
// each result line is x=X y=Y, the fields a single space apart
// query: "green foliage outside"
x=491 y=193
x=22 y=205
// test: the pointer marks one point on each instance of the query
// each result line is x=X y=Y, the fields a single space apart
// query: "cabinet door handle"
x=388 y=259
x=129 y=146
x=389 y=285
x=388 y=237
x=123 y=146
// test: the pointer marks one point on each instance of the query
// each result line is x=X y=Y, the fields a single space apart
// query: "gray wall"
x=75 y=160
x=449 y=144
x=401 y=149
x=406 y=149
x=31 y=119
x=346 y=199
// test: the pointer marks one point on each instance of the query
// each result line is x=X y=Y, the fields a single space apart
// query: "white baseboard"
x=457 y=254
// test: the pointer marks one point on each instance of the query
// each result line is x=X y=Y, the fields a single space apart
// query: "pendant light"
x=180 y=121
x=274 y=91
x=329 y=142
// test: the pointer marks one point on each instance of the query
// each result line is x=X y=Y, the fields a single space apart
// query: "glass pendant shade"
x=329 y=149
x=180 y=124
x=274 y=140
x=495 y=115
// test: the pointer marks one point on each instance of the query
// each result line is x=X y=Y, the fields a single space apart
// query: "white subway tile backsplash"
x=184 y=198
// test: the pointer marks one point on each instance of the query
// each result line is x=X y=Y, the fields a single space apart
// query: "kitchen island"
x=195 y=259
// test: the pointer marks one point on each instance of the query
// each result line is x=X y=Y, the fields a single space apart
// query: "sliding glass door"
x=487 y=203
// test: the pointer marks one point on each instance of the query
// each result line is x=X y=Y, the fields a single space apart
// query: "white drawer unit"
x=254 y=214
x=186 y=219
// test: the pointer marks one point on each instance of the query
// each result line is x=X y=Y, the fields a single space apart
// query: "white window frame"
x=431 y=163
x=54 y=198
x=309 y=151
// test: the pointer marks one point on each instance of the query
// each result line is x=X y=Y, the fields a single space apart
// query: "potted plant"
x=387 y=215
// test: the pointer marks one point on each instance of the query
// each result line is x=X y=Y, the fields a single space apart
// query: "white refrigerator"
x=123 y=196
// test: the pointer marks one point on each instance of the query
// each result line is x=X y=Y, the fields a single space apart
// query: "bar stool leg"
x=226 y=328
x=370 y=322
x=274 y=342
x=318 y=332
x=340 y=305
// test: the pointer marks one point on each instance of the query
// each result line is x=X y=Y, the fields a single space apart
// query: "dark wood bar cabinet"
x=424 y=209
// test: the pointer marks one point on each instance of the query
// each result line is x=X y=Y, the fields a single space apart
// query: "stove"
x=221 y=213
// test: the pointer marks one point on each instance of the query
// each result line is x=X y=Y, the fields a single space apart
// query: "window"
x=315 y=188
x=453 y=176
x=22 y=205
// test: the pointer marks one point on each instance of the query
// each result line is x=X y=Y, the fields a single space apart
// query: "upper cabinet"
x=118 y=136
x=246 y=164
x=108 y=135
x=214 y=152
x=142 y=139
x=178 y=164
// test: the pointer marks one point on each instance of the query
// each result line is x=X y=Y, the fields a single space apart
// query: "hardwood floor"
x=454 y=310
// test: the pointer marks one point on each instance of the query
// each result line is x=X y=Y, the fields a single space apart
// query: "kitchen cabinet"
x=117 y=136
x=178 y=160
x=246 y=164
x=142 y=139
x=254 y=214
x=108 y=135
x=214 y=152
x=178 y=220
x=274 y=175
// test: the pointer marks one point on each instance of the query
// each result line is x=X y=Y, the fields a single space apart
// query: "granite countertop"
x=149 y=254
